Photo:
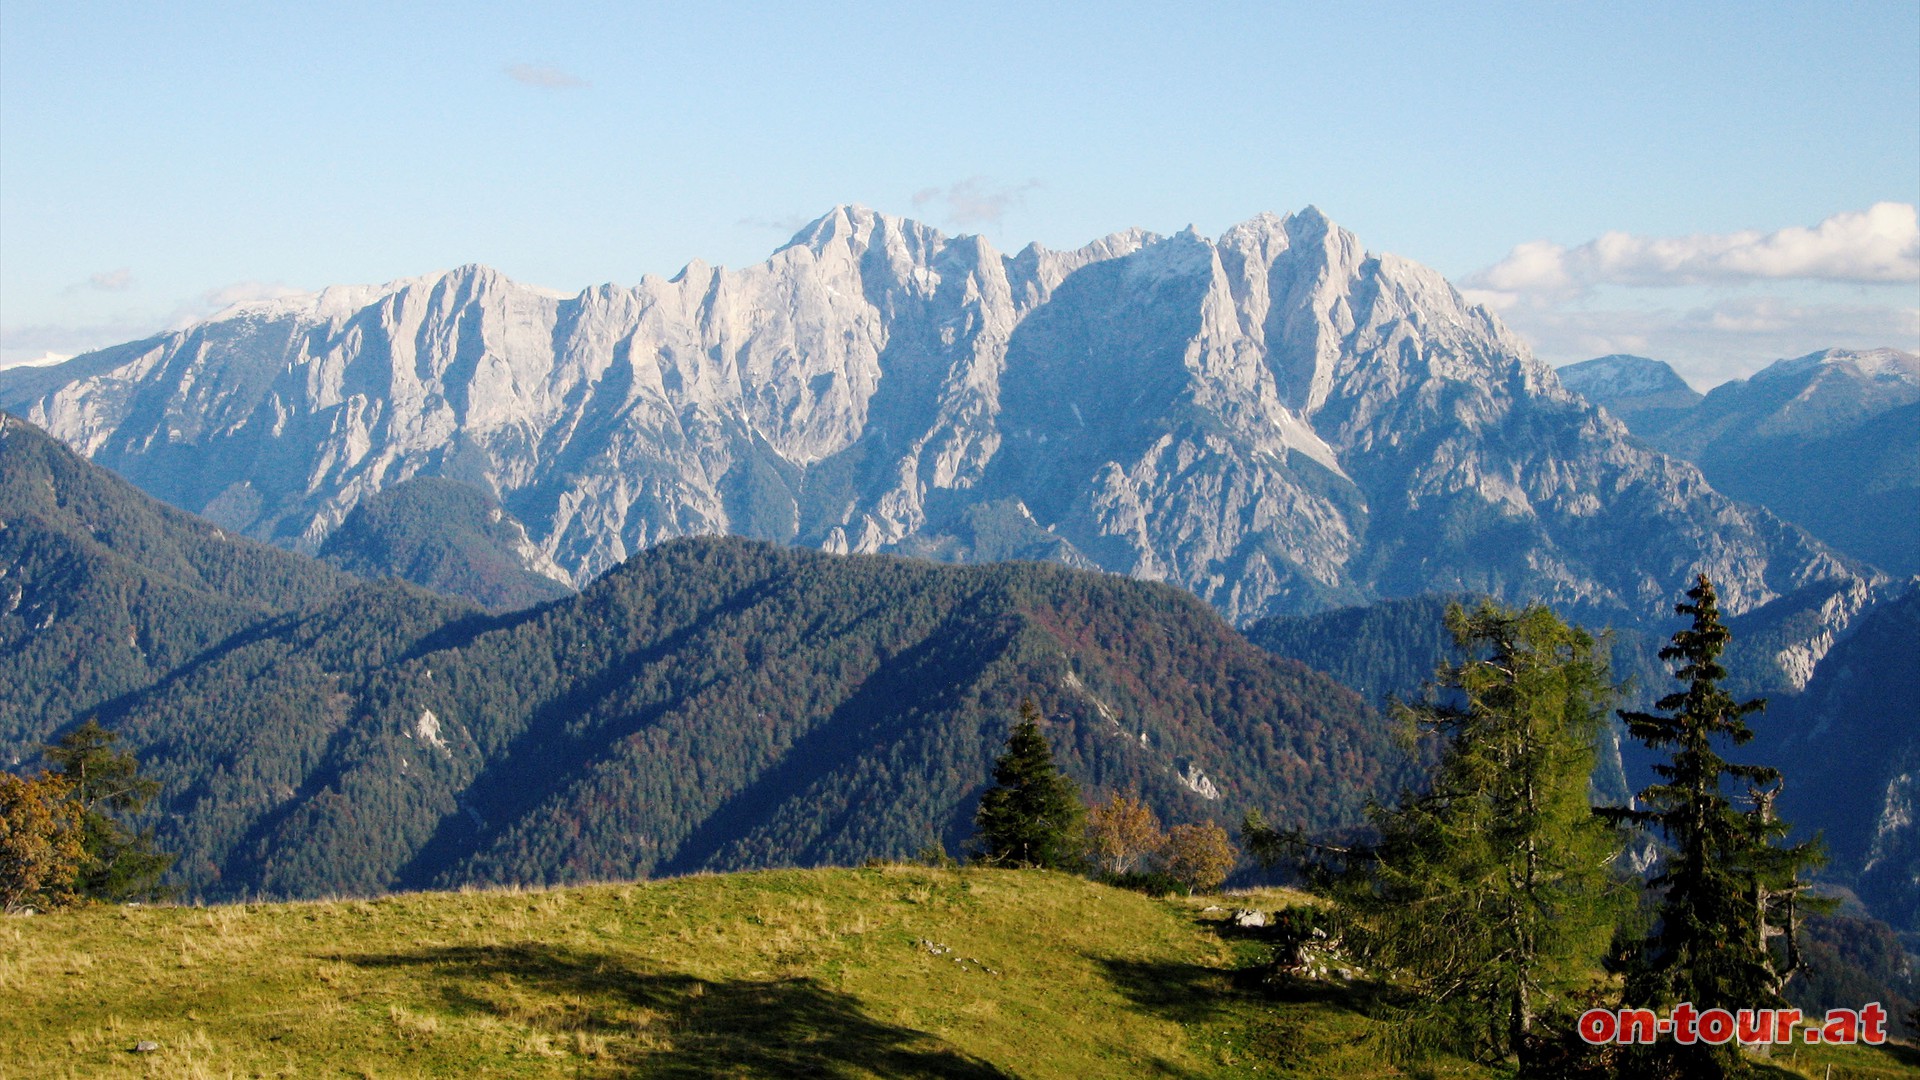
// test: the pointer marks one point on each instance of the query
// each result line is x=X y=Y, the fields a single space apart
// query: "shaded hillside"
x=1390 y=650
x=103 y=590
x=1387 y=649
x=1848 y=744
x=1851 y=748
x=718 y=703
x=447 y=536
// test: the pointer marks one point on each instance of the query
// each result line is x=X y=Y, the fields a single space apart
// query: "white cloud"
x=788 y=224
x=111 y=280
x=545 y=78
x=1878 y=245
x=21 y=345
x=976 y=200
x=45 y=359
x=214 y=301
x=105 y=281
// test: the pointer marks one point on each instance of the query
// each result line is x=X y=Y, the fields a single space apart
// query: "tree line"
x=1506 y=904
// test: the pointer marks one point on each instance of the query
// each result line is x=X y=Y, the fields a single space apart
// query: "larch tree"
x=1492 y=891
x=121 y=863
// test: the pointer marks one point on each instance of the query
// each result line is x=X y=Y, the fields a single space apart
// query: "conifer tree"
x=121 y=863
x=1032 y=816
x=1728 y=887
x=1493 y=890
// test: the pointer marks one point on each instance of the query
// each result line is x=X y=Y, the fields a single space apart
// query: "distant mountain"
x=447 y=536
x=1276 y=419
x=1630 y=385
x=1830 y=441
x=1850 y=745
x=103 y=590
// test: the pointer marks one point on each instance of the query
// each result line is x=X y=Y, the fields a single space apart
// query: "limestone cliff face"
x=1277 y=419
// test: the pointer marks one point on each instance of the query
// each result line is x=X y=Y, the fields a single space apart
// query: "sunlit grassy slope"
x=895 y=971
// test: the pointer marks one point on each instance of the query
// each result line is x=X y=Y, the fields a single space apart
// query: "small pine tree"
x=121 y=863
x=1032 y=816
x=1728 y=887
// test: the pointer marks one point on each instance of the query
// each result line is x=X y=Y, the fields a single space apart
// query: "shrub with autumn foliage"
x=41 y=846
x=1199 y=856
x=1123 y=835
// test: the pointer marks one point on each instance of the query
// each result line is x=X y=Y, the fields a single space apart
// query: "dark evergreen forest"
x=712 y=703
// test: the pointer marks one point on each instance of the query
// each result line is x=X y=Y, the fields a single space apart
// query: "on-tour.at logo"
x=1686 y=1025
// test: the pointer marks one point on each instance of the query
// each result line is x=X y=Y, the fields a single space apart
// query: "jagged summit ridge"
x=1275 y=418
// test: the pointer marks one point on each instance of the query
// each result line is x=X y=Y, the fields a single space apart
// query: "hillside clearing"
x=880 y=972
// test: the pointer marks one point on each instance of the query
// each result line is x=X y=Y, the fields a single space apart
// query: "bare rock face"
x=1277 y=419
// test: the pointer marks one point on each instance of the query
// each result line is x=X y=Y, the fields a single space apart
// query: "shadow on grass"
x=686 y=1027
x=1183 y=993
x=1282 y=1029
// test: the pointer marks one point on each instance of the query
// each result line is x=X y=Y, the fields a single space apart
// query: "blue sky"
x=1756 y=164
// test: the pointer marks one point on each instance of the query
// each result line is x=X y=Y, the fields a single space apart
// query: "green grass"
x=823 y=974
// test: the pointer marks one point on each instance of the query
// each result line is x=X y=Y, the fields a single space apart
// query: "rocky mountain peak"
x=1631 y=387
x=1277 y=419
x=1877 y=365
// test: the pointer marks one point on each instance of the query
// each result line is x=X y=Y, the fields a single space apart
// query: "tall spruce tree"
x=1493 y=890
x=1729 y=888
x=1032 y=816
x=121 y=863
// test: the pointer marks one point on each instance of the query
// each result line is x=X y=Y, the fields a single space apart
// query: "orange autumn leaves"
x=1124 y=837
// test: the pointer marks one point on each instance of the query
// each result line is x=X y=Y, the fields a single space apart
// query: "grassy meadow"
x=884 y=972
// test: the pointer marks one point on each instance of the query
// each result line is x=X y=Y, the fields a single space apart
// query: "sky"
x=1718 y=186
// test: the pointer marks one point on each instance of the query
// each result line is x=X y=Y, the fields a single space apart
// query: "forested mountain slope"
x=718 y=703
x=447 y=536
x=1846 y=735
x=1850 y=745
x=103 y=590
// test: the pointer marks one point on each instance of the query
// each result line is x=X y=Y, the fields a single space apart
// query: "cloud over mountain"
x=1879 y=244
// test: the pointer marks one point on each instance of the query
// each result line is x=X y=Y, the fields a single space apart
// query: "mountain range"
x=1276 y=420
x=1829 y=441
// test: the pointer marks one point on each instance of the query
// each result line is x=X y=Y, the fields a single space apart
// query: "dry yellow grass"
x=883 y=972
